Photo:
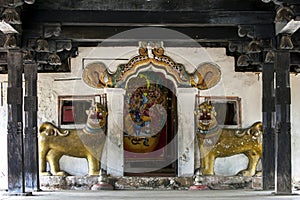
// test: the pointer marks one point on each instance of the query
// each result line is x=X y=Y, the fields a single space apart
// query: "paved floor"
x=153 y=195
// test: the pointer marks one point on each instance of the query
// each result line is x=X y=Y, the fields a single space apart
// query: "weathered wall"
x=295 y=129
x=245 y=85
x=3 y=131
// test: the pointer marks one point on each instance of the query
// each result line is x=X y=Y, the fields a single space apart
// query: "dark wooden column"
x=30 y=136
x=15 y=123
x=268 y=106
x=283 y=124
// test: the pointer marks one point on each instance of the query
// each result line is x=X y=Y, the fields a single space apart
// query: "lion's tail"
x=256 y=129
x=51 y=130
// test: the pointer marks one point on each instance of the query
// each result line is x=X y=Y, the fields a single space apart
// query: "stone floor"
x=153 y=195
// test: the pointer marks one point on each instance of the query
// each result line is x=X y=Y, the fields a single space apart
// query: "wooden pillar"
x=15 y=123
x=283 y=180
x=268 y=106
x=30 y=136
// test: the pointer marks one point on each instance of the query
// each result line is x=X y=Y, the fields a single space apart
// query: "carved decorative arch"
x=204 y=77
x=157 y=58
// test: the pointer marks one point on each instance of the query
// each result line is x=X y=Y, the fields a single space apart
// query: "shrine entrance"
x=150 y=126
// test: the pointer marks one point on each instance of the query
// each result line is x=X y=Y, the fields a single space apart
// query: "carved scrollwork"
x=277 y=2
x=270 y=56
x=236 y=46
x=244 y=31
x=42 y=45
x=11 y=127
x=286 y=42
x=27 y=56
x=10 y=41
x=284 y=14
x=232 y=47
x=54 y=59
x=50 y=54
x=15 y=128
x=11 y=16
x=243 y=61
x=63 y=45
x=255 y=46
x=52 y=30
x=20 y=128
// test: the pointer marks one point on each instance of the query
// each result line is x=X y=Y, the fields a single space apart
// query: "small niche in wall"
x=72 y=110
x=228 y=109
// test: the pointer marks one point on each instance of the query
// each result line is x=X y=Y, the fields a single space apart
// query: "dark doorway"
x=150 y=144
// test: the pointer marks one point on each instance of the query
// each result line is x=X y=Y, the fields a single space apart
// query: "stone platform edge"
x=149 y=183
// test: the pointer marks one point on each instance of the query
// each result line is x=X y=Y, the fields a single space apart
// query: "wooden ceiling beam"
x=204 y=18
x=153 y=5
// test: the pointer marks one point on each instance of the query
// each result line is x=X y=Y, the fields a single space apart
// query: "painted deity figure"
x=144 y=108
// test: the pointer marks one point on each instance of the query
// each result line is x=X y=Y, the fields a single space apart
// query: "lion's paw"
x=245 y=173
x=94 y=173
x=60 y=173
x=45 y=174
x=258 y=174
x=207 y=172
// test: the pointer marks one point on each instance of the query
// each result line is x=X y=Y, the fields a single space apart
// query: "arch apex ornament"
x=156 y=57
x=97 y=75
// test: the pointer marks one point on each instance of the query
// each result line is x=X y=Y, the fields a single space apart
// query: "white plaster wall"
x=3 y=134
x=295 y=129
x=245 y=85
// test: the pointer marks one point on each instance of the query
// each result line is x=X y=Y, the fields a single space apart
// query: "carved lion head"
x=206 y=116
x=97 y=116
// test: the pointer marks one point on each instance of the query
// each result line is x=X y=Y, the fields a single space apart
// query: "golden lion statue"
x=215 y=141
x=83 y=143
